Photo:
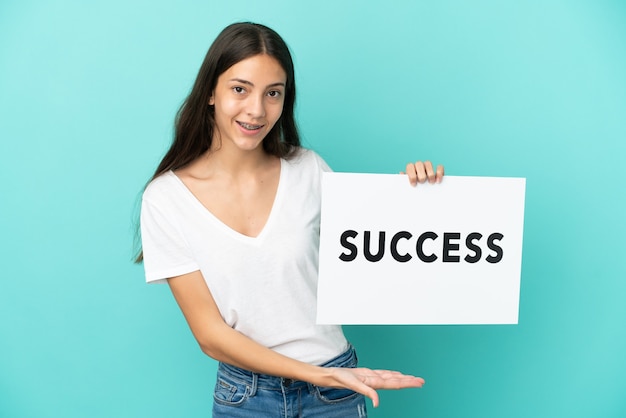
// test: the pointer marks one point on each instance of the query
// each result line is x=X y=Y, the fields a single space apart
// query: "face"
x=248 y=100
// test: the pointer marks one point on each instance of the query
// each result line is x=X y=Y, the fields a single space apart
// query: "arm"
x=221 y=342
x=419 y=172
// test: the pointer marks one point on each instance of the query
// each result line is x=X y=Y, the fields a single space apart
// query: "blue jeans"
x=243 y=394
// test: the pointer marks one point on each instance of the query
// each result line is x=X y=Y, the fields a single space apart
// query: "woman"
x=231 y=221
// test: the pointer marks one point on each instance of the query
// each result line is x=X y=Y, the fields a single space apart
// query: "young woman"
x=230 y=221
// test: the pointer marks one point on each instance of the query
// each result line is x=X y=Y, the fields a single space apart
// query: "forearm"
x=221 y=342
x=232 y=347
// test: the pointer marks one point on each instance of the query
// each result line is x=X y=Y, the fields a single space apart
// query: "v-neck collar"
x=224 y=227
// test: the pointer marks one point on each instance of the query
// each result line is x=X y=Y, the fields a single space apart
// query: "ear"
x=211 y=100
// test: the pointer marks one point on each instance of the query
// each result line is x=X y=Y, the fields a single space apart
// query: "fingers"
x=366 y=388
x=420 y=172
x=373 y=395
x=366 y=381
x=389 y=379
x=411 y=171
x=386 y=379
x=356 y=380
x=417 y=172
x=430 y=173
x=439 y=173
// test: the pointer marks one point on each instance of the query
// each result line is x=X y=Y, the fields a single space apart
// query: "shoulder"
x=304 y=157
x=164 y=198
x=161 y=187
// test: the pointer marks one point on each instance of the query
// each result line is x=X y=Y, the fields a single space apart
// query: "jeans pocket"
x=333 y=395
x=230 y=393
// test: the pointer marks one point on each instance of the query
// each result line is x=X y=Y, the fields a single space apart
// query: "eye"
x=238 y=89
x=274 y=94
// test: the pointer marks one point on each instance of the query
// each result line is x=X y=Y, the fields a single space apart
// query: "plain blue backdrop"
x=535 y=89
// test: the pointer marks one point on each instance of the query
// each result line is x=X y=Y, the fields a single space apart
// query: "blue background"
x=535 y=89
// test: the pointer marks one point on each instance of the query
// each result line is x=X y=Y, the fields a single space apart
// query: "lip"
x=245 y=129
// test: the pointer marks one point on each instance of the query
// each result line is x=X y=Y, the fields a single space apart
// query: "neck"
x=235 y=161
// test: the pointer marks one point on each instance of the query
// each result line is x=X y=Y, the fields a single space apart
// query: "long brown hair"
x=195 y=120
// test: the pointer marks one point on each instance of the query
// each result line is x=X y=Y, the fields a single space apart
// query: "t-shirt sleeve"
x=324 y=167
x=166 y=253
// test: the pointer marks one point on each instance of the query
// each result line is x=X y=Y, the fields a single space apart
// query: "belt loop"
x=254 y=384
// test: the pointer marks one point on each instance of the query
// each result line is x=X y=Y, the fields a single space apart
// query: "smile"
x=250 y=127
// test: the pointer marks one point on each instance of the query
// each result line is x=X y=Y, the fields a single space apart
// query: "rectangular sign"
x=446 y=253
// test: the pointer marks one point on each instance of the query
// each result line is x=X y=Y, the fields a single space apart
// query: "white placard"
x=452 y=252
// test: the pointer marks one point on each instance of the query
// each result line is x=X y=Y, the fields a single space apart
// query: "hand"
x=366 y=381
x=419 y=172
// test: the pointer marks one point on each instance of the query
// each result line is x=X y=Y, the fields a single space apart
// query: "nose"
x=256 y=106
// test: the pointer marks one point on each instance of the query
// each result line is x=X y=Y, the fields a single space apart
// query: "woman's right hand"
x=367 y=381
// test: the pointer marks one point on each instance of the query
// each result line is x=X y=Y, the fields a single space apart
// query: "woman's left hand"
x=419 y=172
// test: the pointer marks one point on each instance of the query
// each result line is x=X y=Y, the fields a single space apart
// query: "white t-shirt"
x=265 y=287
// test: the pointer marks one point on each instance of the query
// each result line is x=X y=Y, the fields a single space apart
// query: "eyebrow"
x=242 y=81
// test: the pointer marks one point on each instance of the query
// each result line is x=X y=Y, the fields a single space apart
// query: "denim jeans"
x=243 y=394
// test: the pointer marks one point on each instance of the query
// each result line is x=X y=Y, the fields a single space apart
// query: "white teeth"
x=250 y=127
